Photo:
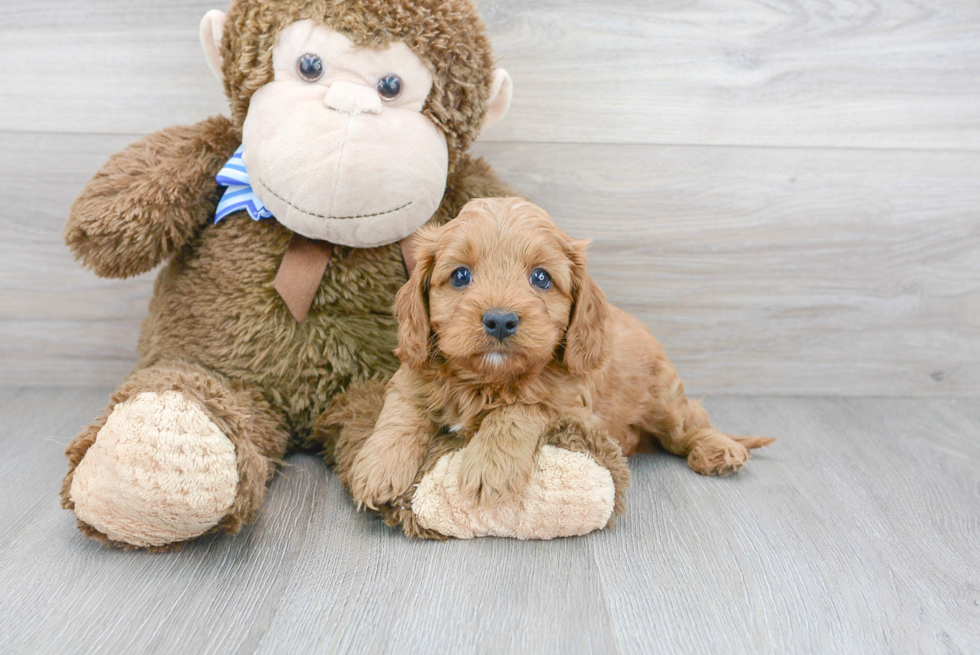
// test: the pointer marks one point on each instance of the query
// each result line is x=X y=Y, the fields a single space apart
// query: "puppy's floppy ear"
x=412 y=303
x=586 y=336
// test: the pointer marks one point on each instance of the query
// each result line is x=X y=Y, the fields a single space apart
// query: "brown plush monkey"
x=349 y=127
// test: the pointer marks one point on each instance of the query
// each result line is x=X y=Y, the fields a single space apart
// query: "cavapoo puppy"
x=501 y=333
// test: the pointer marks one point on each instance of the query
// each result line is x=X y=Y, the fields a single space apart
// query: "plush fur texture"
x=573 y=356
x=151 y=199
x=218 y=333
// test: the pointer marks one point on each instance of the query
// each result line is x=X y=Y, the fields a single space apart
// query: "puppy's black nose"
x=500 y=324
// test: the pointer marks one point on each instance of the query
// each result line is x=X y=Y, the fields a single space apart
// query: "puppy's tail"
x=754 y=442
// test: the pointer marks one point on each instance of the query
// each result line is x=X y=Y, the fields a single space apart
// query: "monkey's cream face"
x=337 y=146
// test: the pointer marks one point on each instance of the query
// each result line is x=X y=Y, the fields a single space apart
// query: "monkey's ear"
x=501 y=93
x=412 y=303
x=585 y=340
x=212 y=29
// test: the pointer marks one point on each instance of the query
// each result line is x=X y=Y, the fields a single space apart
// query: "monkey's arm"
x=150 y=199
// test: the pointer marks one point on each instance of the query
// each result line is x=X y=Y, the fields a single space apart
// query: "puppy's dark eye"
x=461 y=277
x=310 y=67
x=540 y=278
x=389 y=87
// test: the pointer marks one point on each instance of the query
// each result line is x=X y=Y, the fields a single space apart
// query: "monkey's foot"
x=160 y=471
x=568 y=494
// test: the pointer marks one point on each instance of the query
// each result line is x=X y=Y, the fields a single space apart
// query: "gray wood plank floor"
x=857 y=531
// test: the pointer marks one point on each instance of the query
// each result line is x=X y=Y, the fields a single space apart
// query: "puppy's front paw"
x=378 y=477
x=486 y=480
x=717 y=454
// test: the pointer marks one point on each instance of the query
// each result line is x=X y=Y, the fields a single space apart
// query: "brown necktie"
x=304 y=264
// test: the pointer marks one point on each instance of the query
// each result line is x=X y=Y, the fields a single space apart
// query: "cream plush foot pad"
x=568 y=495
x=159 y=472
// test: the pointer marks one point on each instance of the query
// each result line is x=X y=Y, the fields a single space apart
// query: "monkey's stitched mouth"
x=315 y=215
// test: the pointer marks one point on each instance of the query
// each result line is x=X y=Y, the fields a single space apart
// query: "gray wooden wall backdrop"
x=786 y=191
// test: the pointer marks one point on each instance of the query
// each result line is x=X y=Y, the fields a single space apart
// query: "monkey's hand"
x=150 y=199
x=498 y=462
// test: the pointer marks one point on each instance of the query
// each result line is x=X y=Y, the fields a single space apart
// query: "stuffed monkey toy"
x=284 y=233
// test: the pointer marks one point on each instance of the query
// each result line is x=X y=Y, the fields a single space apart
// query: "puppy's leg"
x=391 y=457
x=499 y=460
x=683 y=427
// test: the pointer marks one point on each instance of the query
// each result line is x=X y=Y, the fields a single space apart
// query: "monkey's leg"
x=178 y=452
x=577 y=484
x=683 y=427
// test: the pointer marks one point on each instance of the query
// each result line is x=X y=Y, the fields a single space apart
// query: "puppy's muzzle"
x=500 y=324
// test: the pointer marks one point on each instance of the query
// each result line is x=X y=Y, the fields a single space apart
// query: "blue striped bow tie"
x=239 y=194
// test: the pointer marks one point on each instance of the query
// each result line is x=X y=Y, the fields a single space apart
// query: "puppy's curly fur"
x=571 y=355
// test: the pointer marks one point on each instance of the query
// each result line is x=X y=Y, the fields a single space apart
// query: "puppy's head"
x=500 y=291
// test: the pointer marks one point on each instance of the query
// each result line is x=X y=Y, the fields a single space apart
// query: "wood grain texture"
x=855 y=532
x=781 y=270
x=787 y=192
x=868 y=73
x=786 y=271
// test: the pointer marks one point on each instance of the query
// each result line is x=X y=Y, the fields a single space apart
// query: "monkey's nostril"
x=500 y=324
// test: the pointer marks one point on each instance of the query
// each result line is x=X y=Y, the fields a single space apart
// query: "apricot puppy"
x=501 y=333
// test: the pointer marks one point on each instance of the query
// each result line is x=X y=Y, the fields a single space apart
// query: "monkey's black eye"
x=540 y=278
x=461 y=277
x=310 y=67
x=389 y=87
